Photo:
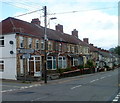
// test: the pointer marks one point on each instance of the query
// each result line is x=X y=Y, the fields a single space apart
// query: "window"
x=80 y=49
x=34 y=64
x=1 y=65
x=75 y=62
x=29 y=42
x=49 y=45
x=86 y=50
x=51 y=62
x=42 y=45
x=37 y=44
x=62 y=63
x=21 y=42
x=73 y=49
x=2 y=41
x=76 y=49
x=68 y=48
x=60 y=47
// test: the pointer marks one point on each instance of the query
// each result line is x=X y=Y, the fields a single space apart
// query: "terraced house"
x=22 y=48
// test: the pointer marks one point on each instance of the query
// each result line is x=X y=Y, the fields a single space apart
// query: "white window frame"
x=2 y=63
x=63 y=61
x=34 y=60
x=30 y=43
x=2 y=41
x=42 y=45
x=75 y=59
x=52 y=59
x=50 y=45
x=21 y=39
x=37 y=44
x=68 y=48
x=73 y=49
x=60 y=46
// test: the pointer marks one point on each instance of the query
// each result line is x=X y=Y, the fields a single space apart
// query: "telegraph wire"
x=81 y=11
x=28 y=13
x=64 y=12
x=8 y=3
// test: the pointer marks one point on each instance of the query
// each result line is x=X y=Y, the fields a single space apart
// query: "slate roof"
x=13 y=25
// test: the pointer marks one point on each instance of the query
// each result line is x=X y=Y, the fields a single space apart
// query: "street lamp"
x=51 y=19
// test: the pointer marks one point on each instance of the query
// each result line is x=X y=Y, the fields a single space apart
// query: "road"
x=102 y=86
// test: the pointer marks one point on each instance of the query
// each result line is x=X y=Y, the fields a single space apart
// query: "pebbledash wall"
x=8 y=57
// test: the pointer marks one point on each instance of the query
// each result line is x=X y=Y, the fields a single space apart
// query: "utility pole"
x=45 y=42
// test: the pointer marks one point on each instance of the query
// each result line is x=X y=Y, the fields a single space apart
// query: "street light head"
x=53 y=18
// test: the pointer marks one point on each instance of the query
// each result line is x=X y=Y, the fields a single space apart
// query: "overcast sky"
x=94 y=19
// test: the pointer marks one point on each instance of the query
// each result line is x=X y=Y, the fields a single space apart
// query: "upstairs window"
x=68 y=48
x=73 y=49
x=60 y=47
x=21 y=42
x=29 y=42
x=1 y=65
x=2 y=41
x=50 y=45
x=37 y=44
x=86 y=50
x=42 y=45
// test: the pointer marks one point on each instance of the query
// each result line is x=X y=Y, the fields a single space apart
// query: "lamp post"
x=51 y=19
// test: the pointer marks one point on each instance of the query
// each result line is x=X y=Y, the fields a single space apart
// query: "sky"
x=94 y=19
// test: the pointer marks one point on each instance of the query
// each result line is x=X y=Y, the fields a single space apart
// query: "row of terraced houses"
x=22 y=49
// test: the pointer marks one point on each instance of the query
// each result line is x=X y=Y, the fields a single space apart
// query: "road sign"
x=27 y=56
x=26 y=51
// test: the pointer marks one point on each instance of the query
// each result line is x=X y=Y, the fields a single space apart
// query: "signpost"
x=26 y=55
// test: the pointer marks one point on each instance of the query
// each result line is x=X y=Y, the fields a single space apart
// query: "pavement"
x=42 y=81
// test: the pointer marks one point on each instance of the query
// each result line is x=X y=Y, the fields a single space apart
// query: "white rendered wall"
x=9 y=59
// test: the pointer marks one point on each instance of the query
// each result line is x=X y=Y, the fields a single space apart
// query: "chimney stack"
x=59 y=28
x=75 y=33
x=91 y=44
x=86 y=40
x=36 y=21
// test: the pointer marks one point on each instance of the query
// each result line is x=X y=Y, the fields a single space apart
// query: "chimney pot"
x=75 y=33
x=36 y=21
x=86 y=40
x=59 y=28
x=91 y=44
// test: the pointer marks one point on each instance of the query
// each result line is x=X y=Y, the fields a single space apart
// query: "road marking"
x=117 y=97
x=76 y=86
x=21 y=88
x=109 y=75
x=92 y=81
x=102 y=77
x=39 y=98
x=10 y=86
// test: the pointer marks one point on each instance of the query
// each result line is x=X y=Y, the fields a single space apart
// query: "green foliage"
x=106 y=66
x=60 y=70
x=80 y=66
x=115 y=50
x=89 y=64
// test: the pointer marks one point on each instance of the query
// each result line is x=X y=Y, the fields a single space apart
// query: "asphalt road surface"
x=102 y=86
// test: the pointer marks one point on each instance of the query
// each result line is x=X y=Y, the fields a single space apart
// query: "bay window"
x=62 y=63
x=51 y=62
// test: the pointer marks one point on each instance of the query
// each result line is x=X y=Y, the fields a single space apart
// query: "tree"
x=115 y=50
